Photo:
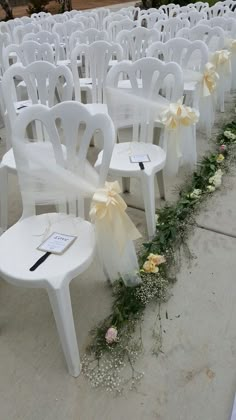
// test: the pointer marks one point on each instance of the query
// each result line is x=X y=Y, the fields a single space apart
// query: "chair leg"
x=62 y=310
x=161 y=184
x=148 y=190
x=3 y=199
x=126 y=184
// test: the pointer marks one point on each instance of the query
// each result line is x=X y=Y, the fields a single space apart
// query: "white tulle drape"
x=142 y=114
x=43 y=181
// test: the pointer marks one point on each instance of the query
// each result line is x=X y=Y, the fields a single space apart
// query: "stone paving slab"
x=219 y=212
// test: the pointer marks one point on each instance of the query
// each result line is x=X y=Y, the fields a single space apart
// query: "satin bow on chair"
x=209 y=80
x=222 y=61
x=178 y=114
x=107 y=205
x=231 y=45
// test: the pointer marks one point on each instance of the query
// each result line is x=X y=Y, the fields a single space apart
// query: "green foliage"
x=36 y=6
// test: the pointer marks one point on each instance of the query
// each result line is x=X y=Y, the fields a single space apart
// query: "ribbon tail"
x=115 y=235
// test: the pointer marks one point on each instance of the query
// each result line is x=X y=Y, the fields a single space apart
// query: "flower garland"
x=117 y=341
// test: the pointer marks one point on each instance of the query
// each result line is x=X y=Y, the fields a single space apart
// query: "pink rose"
x=223 y=148
x=111 y=335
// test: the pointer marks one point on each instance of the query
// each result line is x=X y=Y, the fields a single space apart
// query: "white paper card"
x=57 y=243
x=139 y=158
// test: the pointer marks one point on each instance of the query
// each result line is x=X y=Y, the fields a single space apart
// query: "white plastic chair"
x=213 y=37
x=200 y=5
x=48 y=37
x=88 y=21
x=219 y=9
x=23 y=238
x=47 y=24
x=40 y=16
x=148 y=20
x=11 y=25
x=26 y=20
x=112 y=17
x=190 y=55
x=20 y=31
x=97 y=58
x=44 y=85
x=147 y=77
x=4 y=41
x=101 y=14
x=64 y=31
x=27 y=52
x=87 y=36
x=169 y=28
x=114 y=28
x=136 y=42
x=194 y=17
x=168 y=8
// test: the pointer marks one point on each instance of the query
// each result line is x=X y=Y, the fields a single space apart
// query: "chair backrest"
x=167 y=8
x=11 y=25
x=47 y=24
x=194 y=17
x=60 y=17
x=40 y=16
x=114 y=28
x=4 y=41
x=226 y=23
x=86 y=37
x=169 y=28
x=27 y=52
x=101 y=13
x=149 y=20
x=91 y=35
x=20 y=31
x=78 y=126
x=45 y=83
x=188 y=54
x=149 y=78
x=26 y=20
x=73 y=25
x=219 y=9
x=48 y=37
x=200 y=5
x=87 y=20
x=136 y=42
x=4 y=29
x=213 y=37
x=113 y=17
x=97 y=57
x=6 y=119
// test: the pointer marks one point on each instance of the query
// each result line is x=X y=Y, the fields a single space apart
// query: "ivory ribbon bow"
x=108 y=206
x=178 y=114
x=209 y=80
x=231 y=45
x=221 y=60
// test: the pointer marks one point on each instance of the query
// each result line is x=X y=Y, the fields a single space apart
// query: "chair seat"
x=20 y=105
x=125 y=84
x=120 y=161
x=97 y=108
x=18 y=250
x=8 y=159
x=190 y=86
x=65 y=62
